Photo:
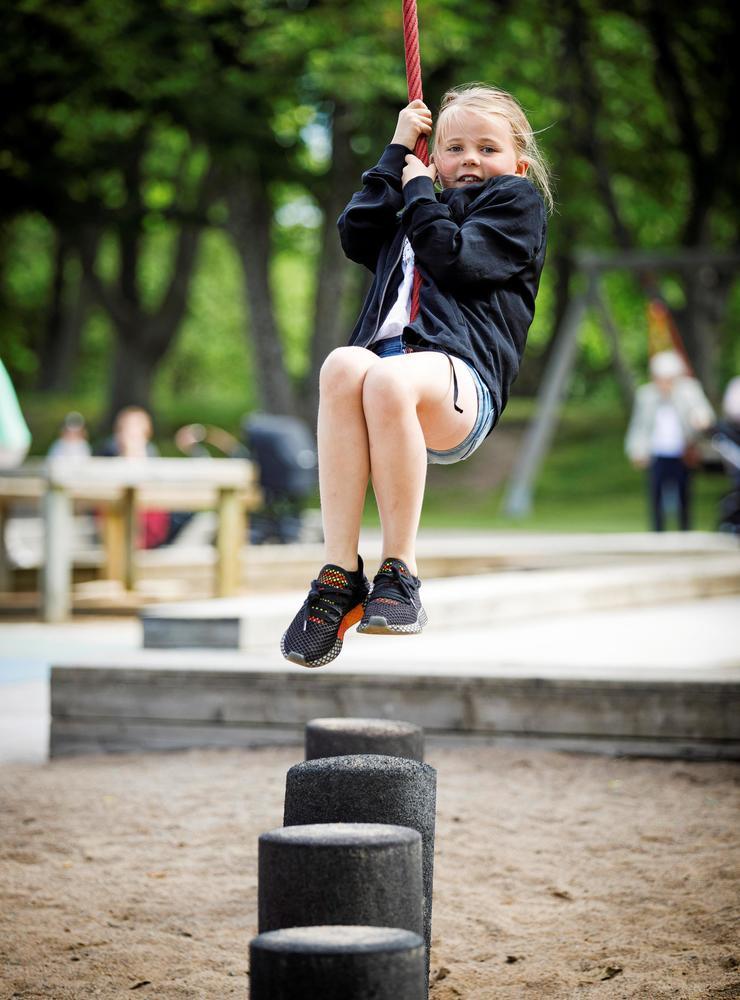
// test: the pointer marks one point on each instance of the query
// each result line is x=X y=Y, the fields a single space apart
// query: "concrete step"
x=660 y=680
x=456 y=602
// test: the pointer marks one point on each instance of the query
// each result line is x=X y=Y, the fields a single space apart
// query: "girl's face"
x=474 y=148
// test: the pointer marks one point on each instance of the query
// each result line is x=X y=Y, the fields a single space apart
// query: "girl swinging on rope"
x=411 y=391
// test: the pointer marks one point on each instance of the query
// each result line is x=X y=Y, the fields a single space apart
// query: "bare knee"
x=385 y=390
x=344 y=370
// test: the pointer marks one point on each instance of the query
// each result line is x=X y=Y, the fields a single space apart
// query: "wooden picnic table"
x=120 y=487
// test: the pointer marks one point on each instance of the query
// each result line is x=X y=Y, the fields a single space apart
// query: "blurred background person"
x=15 y=437
x=726 y=441
x=132 y=438
x=670 y=414
x=132 y=435
x=72 y=441
x=727 y=430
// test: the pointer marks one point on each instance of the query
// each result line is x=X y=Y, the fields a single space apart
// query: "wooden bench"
x=121 y=486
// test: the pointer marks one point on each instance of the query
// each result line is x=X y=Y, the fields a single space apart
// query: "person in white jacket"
x=15 y=437
x=670 y=413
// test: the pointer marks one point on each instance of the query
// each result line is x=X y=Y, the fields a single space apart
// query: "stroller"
x=726 y=442
x=285 y=451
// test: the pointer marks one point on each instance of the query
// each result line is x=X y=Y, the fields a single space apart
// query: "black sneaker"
x=333 y=605
x=393 y=607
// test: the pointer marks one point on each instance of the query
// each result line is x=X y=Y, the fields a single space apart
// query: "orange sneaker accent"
x=350 y=619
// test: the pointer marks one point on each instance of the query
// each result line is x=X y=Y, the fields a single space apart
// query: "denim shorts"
x=484 y=421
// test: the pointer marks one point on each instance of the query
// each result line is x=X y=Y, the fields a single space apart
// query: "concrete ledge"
x=453 y=602
x=218 y=632
x=109 y=709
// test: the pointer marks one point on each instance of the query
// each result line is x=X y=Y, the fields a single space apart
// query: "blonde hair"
x=487 y=100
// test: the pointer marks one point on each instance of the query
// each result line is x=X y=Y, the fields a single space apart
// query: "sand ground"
x=557 y=876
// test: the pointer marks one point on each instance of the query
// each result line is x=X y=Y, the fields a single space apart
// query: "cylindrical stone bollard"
x=337 y=963
x=340 y=873
x=340 y=737
x=368 y=788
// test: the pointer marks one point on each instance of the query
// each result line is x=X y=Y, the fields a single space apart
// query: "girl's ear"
x=521 y=168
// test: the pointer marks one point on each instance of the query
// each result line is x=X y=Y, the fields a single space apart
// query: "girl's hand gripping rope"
x=415 y=168
x=414 y=120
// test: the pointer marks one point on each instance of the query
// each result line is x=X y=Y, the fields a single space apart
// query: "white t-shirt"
x=668 y=438
x=400 y=313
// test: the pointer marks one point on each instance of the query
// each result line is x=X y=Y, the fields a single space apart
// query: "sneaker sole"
x=378 y=625
x=350 y=619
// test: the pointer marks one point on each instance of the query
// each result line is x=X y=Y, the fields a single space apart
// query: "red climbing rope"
x=413 y=79
x=413 y=67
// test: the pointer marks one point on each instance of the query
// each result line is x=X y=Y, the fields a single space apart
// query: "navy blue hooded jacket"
x=480 y=250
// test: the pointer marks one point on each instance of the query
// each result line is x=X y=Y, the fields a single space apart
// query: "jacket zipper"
x=382 y=294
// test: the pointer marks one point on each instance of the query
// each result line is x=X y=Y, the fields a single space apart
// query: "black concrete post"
x=368 y=788
x=340 y=873
x=337 y=963
x=339 y=737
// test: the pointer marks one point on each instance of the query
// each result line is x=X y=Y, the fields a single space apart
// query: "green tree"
x=130 y=128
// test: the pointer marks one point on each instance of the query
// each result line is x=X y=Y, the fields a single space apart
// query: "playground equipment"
x=413 y=81
x=340 y=873
x=337 y=963
x=340 y=737
x=345 y=886
x=368 y=788
x=354 y=827
x=285 y=452
x=554 y=386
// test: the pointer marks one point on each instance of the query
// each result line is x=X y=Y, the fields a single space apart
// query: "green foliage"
x=586 y=484
x=211 y=362
x=27 y=252
x=115 y=110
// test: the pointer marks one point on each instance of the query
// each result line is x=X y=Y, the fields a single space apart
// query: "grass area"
x=578 y=512
x=586 y=483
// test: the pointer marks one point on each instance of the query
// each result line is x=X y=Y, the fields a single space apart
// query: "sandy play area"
x=557 y=876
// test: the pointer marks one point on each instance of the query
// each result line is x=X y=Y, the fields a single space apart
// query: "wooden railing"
x=120 y=487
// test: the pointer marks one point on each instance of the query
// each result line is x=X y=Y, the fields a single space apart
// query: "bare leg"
x=344 y=457
x=380 y=414
x=408 y=406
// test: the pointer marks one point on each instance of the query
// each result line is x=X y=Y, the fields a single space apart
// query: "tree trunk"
x=70 y=307
x=48 y=362
x=333 y=282
x=144 y=337
x=698 y=322
x=249 y=223
x=707 y=161
x=707 y=293
x=132 y=375
x=533 y=370
x=622 y=371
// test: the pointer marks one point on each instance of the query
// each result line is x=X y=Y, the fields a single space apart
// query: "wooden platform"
x=116 y=710
x=636 y=655
x=123 y=487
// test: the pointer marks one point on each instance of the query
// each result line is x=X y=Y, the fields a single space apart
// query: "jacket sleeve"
x=502 y=233
x=371 y=217
x=697 y=410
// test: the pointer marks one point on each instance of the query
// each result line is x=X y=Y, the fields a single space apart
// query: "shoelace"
x=388 y=585
x=319 y=603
